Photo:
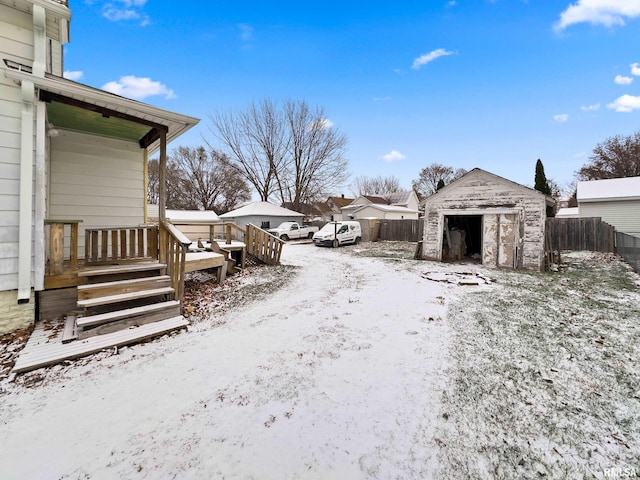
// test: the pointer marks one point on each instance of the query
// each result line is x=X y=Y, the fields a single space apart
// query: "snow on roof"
x=398 y=198
x=206 y=216
x=261 y=208
x=568 y=212
x=611 y=189
x=387 y=208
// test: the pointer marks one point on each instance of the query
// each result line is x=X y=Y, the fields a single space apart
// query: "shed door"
x=508 y=240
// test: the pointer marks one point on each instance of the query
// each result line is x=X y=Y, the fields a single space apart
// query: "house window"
x=266 y=225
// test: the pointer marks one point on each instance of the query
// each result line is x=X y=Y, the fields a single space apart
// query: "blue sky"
x=494 y=84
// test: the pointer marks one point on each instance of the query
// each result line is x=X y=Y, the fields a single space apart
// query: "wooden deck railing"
x=57 y=252
x=116 y=244
x=227 y=230
x=173 y=252
x=265 y=247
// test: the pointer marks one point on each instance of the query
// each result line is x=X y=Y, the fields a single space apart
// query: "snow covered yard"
x=342 y=364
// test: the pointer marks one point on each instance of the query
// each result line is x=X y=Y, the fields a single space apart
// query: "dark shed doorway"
x=468 y=228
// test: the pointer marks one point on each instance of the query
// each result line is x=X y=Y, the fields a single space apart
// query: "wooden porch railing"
x=106 y=245
x=265 y=247
x=56 y=254
x=173 y=252
x=227 y=230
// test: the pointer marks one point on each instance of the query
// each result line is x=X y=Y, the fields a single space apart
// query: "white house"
x=70 y=154
x=616 y=201
x=393 y=206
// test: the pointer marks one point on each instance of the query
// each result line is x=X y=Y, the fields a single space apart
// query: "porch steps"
x=118 y=269
x=124 y=297
x=140 y=315
x=41 y=351
x=103 y=289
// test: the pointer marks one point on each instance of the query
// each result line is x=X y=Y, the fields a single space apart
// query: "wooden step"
x=42 y=351
x=104 y=289
x=94 y=320
x=118 y=269
x=124 y=297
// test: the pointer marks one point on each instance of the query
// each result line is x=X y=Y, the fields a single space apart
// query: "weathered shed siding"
x=512 y=215
x=97 y=180
x=622 y=214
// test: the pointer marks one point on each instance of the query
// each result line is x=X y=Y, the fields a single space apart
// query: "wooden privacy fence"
x=579 y=234
x=628 y=247
x=401 y=230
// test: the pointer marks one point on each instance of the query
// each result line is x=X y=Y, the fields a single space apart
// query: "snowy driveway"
x=337 y=375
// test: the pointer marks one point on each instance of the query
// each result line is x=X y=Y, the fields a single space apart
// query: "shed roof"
x=386 y=208
x=478 y=171
x=192 y=216
x=261 y=209
x=627 y=188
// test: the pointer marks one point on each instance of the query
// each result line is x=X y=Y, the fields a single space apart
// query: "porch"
x=128 y=284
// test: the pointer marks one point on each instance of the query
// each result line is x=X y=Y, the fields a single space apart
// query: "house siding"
x=624 y=215
x=97 y=180
x=506 y=210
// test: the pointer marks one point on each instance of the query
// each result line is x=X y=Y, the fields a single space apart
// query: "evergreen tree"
x=440 y=184
x=542 y=185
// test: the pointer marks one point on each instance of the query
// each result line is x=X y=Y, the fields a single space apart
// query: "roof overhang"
x=79 y=107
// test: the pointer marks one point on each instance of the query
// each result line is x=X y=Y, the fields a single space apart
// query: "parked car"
x=334 y=234
x=292 y=231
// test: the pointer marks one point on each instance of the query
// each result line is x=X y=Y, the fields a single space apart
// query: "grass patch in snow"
x=382 y=249
x=544 y=381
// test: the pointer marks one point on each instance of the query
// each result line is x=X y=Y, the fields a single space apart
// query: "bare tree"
x=379 y=185
x=315 y=161
x=616 y=157
x=427 y=182
x=198 y=179
x=153 y=181
x=254 y=143
x=291 y=153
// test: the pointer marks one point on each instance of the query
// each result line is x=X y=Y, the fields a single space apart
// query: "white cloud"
x=393 y=156
x=138 y=88
x=625 y=103
x=381 y=99
x=125 y=10
x=622 y=80
x=590 y=108
x=561 y=118
x=246 y=32
x=430 y=57
x=74 y=75
x=635 y=69
x=599 y=12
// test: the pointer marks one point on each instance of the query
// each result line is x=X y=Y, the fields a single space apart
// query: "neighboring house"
x=335 y=206
x=394 y=206
x=72 y=158
x=501 y=222
x=616 y=201
x=263 y=215
x=193 y=223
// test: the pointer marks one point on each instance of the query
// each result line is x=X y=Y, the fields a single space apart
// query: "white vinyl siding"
x=624 y=215
x=16 y=43
x=97 y=180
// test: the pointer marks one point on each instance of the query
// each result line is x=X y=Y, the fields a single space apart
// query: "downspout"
x=26 y=192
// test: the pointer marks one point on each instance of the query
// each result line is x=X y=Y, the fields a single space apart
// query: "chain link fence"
x=628 y=247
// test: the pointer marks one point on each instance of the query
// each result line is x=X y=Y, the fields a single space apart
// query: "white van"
x=334 y=234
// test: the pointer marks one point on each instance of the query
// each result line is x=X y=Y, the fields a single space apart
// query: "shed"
x=385 y=212
x=262 y=214
x=489 y=218
x=615 y=200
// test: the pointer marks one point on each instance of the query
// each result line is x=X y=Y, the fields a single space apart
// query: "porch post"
x=162 y=196
x=162 y=177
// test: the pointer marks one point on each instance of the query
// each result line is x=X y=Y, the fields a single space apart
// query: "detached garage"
x=488 y=218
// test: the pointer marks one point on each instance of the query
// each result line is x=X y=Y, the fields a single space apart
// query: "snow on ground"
x=342 y=365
